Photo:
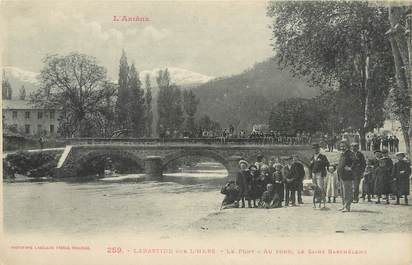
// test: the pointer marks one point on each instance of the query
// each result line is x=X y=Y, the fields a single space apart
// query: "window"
x=39 y=115
x=51 y=128
x=27 y=128
x=27 y=114
x=14 y=114
x=52 y=115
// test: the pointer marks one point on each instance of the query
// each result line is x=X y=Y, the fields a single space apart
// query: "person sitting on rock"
x=232 y=195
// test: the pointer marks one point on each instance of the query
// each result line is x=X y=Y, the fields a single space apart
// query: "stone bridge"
x=154 y=158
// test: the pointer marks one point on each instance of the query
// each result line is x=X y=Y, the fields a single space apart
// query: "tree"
x=148 y=107
x=339 y=45
x=135 y=104
x=169 y=104
x=400 y=37
x=74 y=83
x=190 y=103
x=123 y=93
x=7 y=91
x=296 y=114
x=22 y=93
x=206 y=123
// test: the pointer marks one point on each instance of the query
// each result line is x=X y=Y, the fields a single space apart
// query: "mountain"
x=247 y=98
x=19 y=77
x=179 y=76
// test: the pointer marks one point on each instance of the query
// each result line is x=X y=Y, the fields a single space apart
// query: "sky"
x=211 y=38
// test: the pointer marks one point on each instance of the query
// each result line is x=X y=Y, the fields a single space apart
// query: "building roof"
x=19 y=104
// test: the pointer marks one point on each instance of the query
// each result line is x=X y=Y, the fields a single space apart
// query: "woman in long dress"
x=331 y=183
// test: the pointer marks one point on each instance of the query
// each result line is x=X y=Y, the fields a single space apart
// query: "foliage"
x=399 y=34
x=296 y=114
x=169 y=104
x=135 y=104
x=247 y=98
x=206 y=123
x=148 y=107
x=338 y=45
x=7 y=91
x=190 y=103
x=130 y=107
x=22 y=93
x=76 y=85
x=123 y=93
x=33 y=164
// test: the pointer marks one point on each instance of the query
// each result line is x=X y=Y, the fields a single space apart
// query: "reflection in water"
x=125 y=203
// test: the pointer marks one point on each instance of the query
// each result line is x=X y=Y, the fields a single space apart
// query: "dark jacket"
x=359 y=164
x=383 y=177
x=346 y=159
x=298 y=171
x=402 y=179
x=291 y=180
x=243 y=180
x=232 y=195
x=319 y=165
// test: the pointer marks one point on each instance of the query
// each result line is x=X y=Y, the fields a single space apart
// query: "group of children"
x=268 y=186
x=382 y=177
x=265 y=185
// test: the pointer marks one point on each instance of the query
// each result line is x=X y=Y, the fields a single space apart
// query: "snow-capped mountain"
x=179 y=76
x=184 y=78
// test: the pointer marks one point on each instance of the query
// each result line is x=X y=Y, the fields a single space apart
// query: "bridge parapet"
x=190 y=141
x=155 y=157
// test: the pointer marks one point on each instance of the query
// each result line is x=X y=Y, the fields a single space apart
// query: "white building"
x=26 y=118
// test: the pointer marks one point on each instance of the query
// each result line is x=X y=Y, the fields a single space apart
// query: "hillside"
x=249 y=96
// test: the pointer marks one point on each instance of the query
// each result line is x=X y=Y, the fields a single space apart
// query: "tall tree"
x=7 y=91
x=135 y=103
x=148 y=107
x=338 y=45
x=400 y=37
x=190 y=103
x=169 y=104
x=22 y=93
x=74 y=83
x=123 y=94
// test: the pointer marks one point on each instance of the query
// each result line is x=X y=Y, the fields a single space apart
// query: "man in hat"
x=232 y=193
x=345 y=174
x=242 y=181
x=401 y=173
x=298 y=172
x=358 y=169
x=318 y=168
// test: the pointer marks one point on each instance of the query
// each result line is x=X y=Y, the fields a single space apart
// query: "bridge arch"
x=201 y=153
x=116 y=155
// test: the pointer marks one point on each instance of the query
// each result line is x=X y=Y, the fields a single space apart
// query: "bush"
x=32 y=164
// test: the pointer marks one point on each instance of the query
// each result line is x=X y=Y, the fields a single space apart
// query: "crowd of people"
x=272 y=137
x=379 y=142
x=279 y=182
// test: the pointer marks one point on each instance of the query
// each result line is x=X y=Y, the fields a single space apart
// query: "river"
x=123 y=204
